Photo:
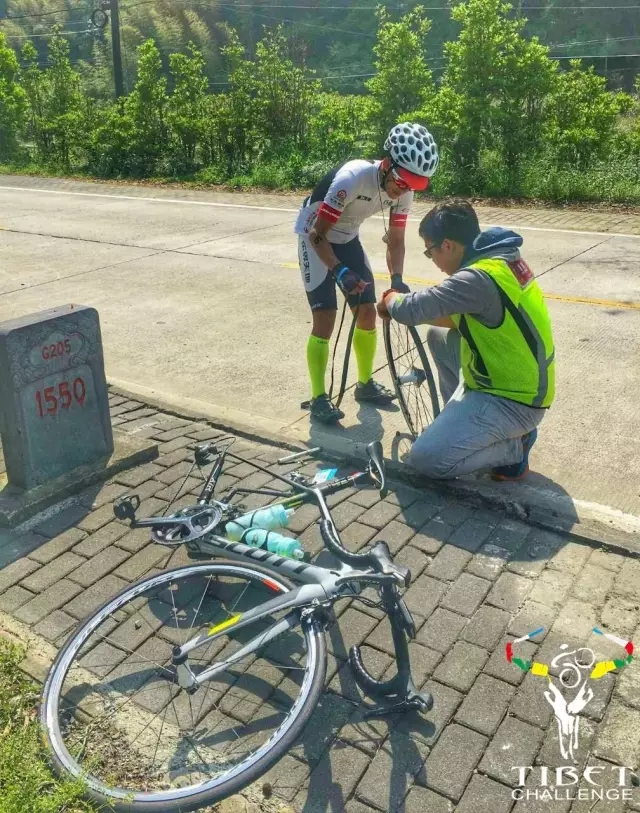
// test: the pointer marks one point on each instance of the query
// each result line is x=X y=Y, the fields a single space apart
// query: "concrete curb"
x=588 y=522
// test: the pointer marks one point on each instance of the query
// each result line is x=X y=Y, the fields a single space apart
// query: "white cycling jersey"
x=347 y=196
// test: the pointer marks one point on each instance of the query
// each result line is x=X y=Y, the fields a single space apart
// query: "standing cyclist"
x=330 y=252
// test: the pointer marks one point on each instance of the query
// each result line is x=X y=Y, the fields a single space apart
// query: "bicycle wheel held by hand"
x=411 y=375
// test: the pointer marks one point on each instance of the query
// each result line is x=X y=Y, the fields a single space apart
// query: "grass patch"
x=536 y=181
x=26 y=783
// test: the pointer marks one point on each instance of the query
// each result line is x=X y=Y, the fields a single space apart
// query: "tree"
x=35 y=86
x=145 y=107
x=186 y=105
x=230 y=117
x=338 y=127
x=494 y=88
x=66 y=103
x=283 y=94
x=403 y=82
x=57 y=107
x=13 y=102
x=583 y=115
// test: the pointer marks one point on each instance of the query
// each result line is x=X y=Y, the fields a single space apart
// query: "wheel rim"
x=412 y=382
x=228 y=702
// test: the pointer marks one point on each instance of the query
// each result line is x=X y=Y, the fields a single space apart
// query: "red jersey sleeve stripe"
x=329 y=213
x=399 y=220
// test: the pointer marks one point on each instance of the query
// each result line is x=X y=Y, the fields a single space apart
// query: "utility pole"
x=115 y=45
x=100 y=19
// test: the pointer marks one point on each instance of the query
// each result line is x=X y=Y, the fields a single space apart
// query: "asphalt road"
x=200 y=301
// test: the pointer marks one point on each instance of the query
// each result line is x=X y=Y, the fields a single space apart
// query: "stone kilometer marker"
x=54 y=407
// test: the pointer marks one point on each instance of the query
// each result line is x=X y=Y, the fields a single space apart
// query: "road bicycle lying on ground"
x=191 y=683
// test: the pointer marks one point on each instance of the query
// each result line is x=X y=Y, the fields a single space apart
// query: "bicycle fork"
x=400 y=687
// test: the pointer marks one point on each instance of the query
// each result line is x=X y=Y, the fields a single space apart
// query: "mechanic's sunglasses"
x=427 y=251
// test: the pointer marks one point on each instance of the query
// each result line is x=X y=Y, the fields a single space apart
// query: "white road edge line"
x=282 y=209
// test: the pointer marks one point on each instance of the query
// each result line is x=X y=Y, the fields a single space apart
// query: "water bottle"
x=275 y=516
x=260 y=538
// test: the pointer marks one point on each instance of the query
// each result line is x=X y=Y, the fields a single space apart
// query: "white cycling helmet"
x=414 y=152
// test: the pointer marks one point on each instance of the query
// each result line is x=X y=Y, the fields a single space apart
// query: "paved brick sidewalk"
x=479 y=580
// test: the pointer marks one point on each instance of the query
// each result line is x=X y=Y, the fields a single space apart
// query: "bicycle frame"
x=320 y=588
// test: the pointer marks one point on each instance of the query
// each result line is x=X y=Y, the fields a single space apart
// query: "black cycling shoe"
x=323 y=410
x=374 y=393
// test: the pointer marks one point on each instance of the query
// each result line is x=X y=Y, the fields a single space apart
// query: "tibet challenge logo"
x=575 y=670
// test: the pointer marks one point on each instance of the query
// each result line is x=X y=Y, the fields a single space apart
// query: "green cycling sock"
x=317 y=358
x=364 y=346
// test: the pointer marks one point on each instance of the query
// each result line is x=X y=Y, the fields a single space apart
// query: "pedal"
x=298 y=478
x=415 y=703
x=125 y=507
x=202 y=453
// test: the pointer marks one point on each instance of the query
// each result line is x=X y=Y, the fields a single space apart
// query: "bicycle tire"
x=413 y=336
x=176 y=801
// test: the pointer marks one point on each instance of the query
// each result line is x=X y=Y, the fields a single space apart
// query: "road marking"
x=150 y=200
x=283 y=209
x=604 y=303
x=576 y=300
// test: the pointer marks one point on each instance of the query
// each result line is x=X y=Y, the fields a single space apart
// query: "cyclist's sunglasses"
x=400 y=182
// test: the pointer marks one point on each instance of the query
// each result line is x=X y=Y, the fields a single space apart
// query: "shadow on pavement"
x=37 y=531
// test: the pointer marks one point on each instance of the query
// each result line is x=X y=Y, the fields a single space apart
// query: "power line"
x=301 y=22
x=71 y=23
x=426 y=8
x=591 y=42
x=577 y=8
x=62 y=9
x=51 y=34
x=39 y=14
x=594 y=56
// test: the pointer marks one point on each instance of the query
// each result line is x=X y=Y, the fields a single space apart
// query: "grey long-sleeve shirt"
x=467 y=291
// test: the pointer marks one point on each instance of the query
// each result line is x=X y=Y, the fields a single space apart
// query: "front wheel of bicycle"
x=411 y=375
x=115 y=717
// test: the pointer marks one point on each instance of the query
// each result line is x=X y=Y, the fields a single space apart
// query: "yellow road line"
x=576 y=300
x=605 y=303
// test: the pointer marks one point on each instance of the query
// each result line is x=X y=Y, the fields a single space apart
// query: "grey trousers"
x=475 y=431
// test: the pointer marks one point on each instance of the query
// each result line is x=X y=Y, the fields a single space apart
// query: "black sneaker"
x=374 y=393
x=323 y=410
x=517 y=471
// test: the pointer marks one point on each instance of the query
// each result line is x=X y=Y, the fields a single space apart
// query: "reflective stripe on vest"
x=516 y=359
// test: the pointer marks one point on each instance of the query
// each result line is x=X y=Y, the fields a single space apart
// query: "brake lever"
x=381 y=485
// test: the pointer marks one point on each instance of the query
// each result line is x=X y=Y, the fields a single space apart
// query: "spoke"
x=193 y=722
x=143 y=730
x=415 y=416
x=230 y=612
x=219 y=710
x=100 y=664
x=202 y=759
x=166 y=711
x=175 y=609
x=138 y=693
x=122 y=648
x=204 y=593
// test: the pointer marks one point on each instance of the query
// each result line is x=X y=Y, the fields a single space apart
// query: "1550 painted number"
x=50 y=399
